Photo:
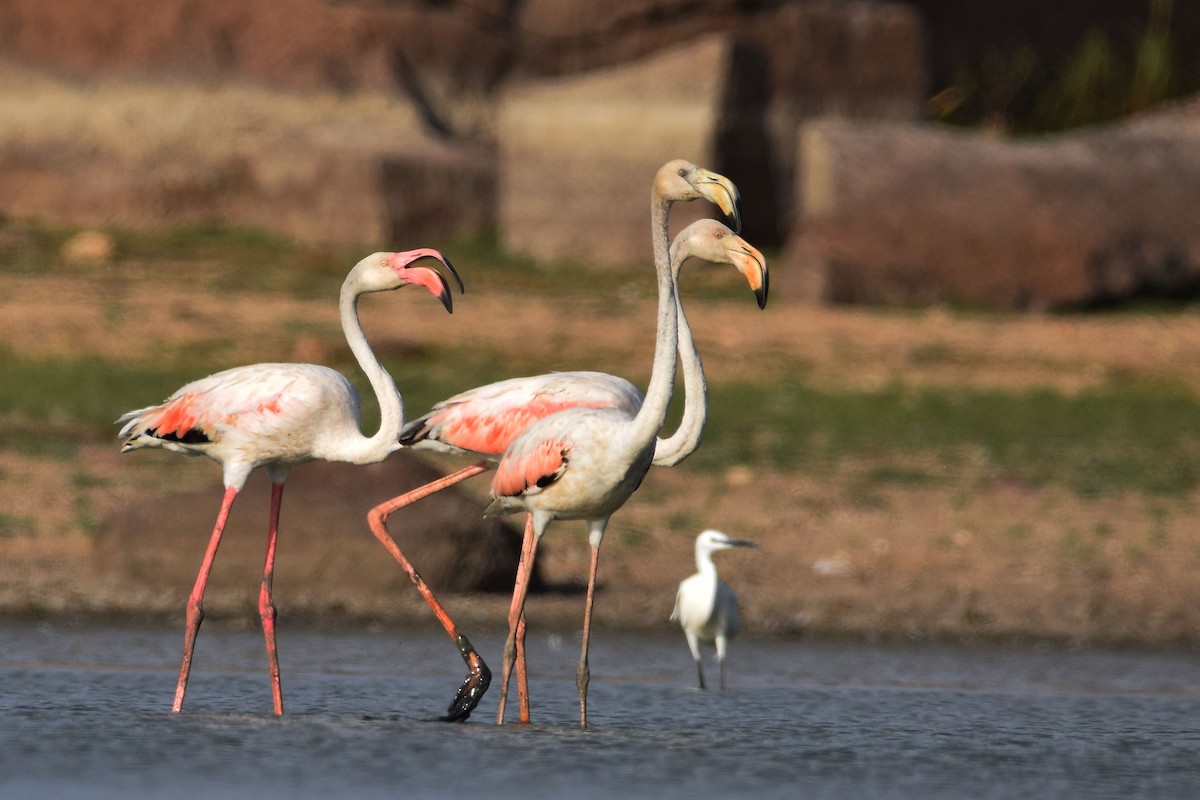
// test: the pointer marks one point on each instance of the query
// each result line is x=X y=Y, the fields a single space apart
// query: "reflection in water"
x=84 y=715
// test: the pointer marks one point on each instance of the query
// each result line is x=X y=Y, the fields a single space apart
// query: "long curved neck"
x=681 y=444
x=653 y=413
x=704 y=563
x=372 y=449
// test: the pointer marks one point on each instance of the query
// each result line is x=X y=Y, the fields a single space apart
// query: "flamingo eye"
x=683 y=172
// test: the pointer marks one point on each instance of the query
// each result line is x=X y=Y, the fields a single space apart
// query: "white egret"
x=705 y=607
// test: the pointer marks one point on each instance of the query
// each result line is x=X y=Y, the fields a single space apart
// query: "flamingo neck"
x=681 y=444
x=369 y=450
x=653 y=413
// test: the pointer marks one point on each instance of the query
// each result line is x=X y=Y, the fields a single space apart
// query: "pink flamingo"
x=585 y=463
x=482 y=422
x=277 y=415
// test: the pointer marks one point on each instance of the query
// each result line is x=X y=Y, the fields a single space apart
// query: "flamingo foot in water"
x=474 y=686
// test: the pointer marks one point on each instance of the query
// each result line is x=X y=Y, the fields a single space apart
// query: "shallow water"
x=84 y=713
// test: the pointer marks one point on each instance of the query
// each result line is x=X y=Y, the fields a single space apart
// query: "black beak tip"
x=761 y=294
x=461 y=289
x=445 y=296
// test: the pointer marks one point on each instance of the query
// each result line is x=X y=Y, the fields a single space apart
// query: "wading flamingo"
x=705 y=607
x=584 y=463
x=277 y=415
x=481 y=422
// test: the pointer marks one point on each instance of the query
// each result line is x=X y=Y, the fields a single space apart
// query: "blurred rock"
x=724 y=83
x=914 y=214
x=578 y=154
x=88 y=247
x=591 y=142
x=325 y=545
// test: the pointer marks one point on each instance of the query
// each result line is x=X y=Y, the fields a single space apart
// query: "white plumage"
x=276 y=416
x=705 y=607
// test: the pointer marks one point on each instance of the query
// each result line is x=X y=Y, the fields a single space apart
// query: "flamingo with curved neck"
x=276 y=416
x=585 y=463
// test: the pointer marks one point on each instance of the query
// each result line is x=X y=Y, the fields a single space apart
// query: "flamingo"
x=481 y=422
x=276 y=416
x=705 y=607
x=585 y=463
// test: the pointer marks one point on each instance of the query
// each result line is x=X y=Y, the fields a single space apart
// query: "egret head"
x=711 y=541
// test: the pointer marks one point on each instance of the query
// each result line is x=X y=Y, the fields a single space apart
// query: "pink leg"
x=583 y=674
x=522 y=676
x=516 y=614
x=479 y=677
x=266 y=603
x=195 y=604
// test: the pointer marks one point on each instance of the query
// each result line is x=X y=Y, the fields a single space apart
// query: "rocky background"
x=378 y=121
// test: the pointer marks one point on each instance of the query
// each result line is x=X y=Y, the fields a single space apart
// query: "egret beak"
x=740 y=543
x=753 y=266
x=431 y=279
x=721 y=192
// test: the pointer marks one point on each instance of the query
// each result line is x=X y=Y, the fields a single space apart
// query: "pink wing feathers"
x=245 y=399
x=484 y=421
x=537 y=465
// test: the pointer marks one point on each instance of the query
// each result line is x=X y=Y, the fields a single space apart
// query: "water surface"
x=84 y=713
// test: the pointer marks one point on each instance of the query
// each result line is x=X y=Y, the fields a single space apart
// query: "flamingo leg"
x=582 y=673
x=522 y=675
x=266 y=602
x=479 y=677
x=195 y=604
x=516 y=613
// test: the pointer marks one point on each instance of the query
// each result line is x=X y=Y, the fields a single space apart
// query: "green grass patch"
x=1127 y=436
x=1102 y=442
x=79 y=391
x=16 y=525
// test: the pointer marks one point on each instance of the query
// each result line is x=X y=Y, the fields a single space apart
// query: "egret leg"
x=479 y=677
x=720 y=643
x=694 y=646
x=266 y=601
x=516 y=612
x=582 y=673
x=195 y=604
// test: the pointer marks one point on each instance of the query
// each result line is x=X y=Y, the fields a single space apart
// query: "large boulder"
x=578 y=151
x=316 y=167
x=915 y=214
x=327 y=556
x=578 y=154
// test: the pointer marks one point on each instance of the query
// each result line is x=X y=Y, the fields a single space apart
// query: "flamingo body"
x=573 y=465
x=483 y=421
x=278 y=415
x=585 y=463
x=245 y=417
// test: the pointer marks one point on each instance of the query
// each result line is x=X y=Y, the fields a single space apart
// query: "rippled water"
x=84 y=714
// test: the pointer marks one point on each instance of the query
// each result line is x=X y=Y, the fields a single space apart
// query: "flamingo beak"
x=431 y=279
x=753 y=265
x=721 y=192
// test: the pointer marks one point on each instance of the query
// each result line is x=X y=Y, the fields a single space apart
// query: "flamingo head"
x=682 y=180
x=712 y=241
x=381 y=272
